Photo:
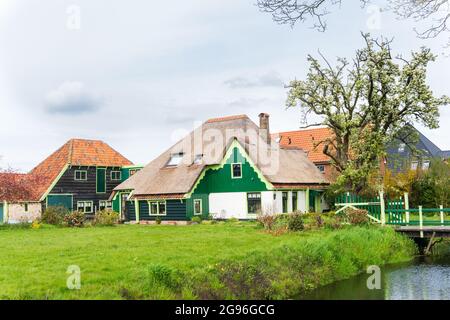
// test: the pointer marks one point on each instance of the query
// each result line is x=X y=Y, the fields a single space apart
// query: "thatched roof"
x=212 y=140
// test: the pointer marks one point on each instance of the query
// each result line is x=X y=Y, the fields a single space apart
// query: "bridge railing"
x=394 y=212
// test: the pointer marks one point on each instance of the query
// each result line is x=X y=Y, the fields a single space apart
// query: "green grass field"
x=197 y=261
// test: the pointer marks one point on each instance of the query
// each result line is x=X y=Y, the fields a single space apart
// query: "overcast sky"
x=138 y=73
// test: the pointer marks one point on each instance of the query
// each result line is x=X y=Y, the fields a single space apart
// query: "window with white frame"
x=401 y=147
x=80 y=175
x=198 y=206
x=236 y=170
x=105 y=205
x=254 y=203
x=157 y=208
x=116 y=175
x=198 y=159
x=175 y=159
x=85 y=206
x=426 y=165
x=414 y=165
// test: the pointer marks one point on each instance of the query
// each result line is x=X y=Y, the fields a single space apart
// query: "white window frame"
x=107 y=204
x=84 y=206
x=426 y=164
x=179 y=155
x=414 y=165
x=201 y=207
x=116 y=172
x=232 y=170
x=158 y=202
x=81 y=171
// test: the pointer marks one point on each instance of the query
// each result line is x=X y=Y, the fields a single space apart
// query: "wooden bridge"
x=417 y=223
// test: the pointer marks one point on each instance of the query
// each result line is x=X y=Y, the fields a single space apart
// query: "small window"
x=254 y=203
x=105 y=205
x=175 y=160
x=85 y=206
x=414 y=165
x=426 y=165
x=25 y=207
x=294 y=201
x=157 y=208
x=321 y=168
x=285 y=202
x=198 y=159
x=80 y=175
x=401 y=147
x=236 y=170
x=116 y=175
x=197 y=206
x=133 y=171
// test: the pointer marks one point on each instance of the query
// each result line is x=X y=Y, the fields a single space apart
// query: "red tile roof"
x=76 y=152
x=310 y=140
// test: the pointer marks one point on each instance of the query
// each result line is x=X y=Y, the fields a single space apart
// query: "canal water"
x=425 y=278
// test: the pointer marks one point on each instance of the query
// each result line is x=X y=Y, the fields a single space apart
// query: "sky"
x=139 y=74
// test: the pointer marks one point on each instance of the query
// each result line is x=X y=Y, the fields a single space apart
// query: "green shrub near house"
x=223 y=260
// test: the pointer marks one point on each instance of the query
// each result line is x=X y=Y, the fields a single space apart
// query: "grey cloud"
x=71 y=98
x=271 y=79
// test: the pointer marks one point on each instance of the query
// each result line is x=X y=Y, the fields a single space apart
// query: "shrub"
x=158 y=220
x=35 y=225
x=196 y=219
x=160 y=274
x=267 y=221
x=54 y=215
x=74 y=219
x=357 y=216
x=319 y=221
x=106 y=218
x=295 y=222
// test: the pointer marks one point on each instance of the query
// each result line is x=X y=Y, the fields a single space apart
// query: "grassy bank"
x=199 y=261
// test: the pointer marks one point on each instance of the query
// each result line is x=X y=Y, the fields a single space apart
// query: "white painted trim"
x=232 y=170
x=54 y=183
x=115 y=171
x=80 y=171
x=84 y=206
x=157 y=202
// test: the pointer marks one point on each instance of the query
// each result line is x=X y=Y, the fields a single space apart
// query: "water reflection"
x=423 y=279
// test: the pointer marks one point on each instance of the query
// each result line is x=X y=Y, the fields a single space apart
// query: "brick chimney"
x=264 y=130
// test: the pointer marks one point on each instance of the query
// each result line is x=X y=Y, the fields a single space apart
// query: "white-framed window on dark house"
x=198 y=207
x=254 y=203
x=426 y=165
x=85 y=206
x=105 y=205
x=414 y=165
x=116 y=175
x=236 y=170
x=80 y=175
x=157 y=208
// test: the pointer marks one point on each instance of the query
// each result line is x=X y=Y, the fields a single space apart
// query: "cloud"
x=270 y=79
x=71 y=98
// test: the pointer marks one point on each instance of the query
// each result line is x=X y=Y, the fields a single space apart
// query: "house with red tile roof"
x=312 y=142
x=79 y=176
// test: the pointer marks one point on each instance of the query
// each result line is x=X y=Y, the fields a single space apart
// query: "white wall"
x=234 y=204
x=228 y=205
x=17 y=214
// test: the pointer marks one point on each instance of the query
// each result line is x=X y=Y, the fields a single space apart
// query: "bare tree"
x=294 y=11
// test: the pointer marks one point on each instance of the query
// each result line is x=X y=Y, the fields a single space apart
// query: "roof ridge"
x=227 y=118
x=69 y=156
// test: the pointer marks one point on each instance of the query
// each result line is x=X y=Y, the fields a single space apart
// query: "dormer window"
x=198 y=159
x=175 y=159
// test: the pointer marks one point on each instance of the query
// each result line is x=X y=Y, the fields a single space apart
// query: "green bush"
x=196 y=219
x=295 y=222
x=54 y=215
x=74 y=219
x=106 y=218
x=158 y=220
